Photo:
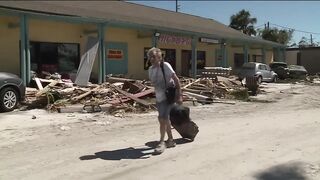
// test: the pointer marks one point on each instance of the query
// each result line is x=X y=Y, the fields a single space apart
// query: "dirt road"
x=276 y=137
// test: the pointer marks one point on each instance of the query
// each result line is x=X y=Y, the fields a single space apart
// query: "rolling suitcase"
x=180 y=120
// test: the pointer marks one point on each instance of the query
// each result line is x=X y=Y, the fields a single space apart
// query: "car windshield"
x=249 y=66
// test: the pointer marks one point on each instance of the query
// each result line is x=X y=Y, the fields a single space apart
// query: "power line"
x=260 y=25
x=295 y=29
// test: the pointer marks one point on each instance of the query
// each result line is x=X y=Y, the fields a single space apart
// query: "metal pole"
x=245 y=53
x=155 y=39
x=22 y=50
x=176 y=5
x=263 y=52
x=102 y=53
x=27 y=46
x=194 y=57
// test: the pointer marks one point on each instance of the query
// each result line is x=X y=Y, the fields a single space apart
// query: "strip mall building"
x=53 y=35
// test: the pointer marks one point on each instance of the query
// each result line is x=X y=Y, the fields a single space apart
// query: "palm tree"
x=243 y=22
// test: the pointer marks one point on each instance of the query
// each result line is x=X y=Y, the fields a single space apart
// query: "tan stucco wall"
x=135 y=49
x=210 y=52
x=269 y=56
x=291 y=57
x=9 y=45
x=56 y=31
x=232 y=50
x=51 y=31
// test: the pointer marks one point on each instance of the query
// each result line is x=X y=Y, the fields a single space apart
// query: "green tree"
x=274 y=34
x=243 y=22
x=305 y=42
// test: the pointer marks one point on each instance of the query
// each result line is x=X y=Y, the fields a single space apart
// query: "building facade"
x=309 y=57
x=53 y=36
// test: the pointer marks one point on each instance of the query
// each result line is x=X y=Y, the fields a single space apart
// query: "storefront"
x=55 y=37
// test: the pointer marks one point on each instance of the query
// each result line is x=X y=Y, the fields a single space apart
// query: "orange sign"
x=115 y=54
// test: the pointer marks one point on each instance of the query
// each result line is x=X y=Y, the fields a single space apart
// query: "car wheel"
x=259 y=80
x=8 y=99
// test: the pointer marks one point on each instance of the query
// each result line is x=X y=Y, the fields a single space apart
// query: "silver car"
x=261 y=71
x=12 y=91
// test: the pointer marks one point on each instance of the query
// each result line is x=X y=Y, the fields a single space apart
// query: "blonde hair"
x=151 y=52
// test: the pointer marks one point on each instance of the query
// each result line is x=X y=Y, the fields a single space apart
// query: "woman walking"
x=163 y=76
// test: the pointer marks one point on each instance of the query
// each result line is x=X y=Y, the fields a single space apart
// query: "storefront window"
x=62 y=58
x=239 y=59
x=257 y=58
x=201 y=59
x=169 y=56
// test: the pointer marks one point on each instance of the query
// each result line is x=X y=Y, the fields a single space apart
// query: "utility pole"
x=177 y=6
x=311 y=40
x=268 y=25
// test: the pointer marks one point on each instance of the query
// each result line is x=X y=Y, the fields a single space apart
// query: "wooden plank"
x=191 y=83
x=131 y=96
x=79 y=108
x=192 y=90
x=47 y=88
x=198 y=96
x=40 y=87
x=77 y=98
x=117 y=79
x=138 y=95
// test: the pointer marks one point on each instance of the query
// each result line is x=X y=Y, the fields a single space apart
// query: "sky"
x=298 y=15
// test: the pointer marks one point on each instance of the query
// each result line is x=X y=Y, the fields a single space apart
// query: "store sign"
x=207 y=40
x=177 y=40
x=115 y=54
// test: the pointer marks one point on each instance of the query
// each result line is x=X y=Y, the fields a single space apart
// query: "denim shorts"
x=164 y=109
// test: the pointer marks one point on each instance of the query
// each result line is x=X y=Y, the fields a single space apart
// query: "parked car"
x=296 y=71
x=261 y=71
x=12 y=91
x=281 y=68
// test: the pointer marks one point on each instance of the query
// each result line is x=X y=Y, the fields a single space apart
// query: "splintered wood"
x=123 y=95
x=57 y=97
x=208 y=90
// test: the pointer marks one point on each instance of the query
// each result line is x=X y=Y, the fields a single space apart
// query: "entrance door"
x=185 y=62
x=117 y=58
x=238 y=60
x=219 y=58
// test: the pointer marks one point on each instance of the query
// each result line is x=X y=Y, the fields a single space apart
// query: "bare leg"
x=161 y=146
x=163 y=127
x=168 y=128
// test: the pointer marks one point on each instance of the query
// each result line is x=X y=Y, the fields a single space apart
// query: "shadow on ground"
x=291 y=171
x=129 y=153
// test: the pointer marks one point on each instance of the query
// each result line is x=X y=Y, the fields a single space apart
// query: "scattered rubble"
x=120 y=95
x=57 y=96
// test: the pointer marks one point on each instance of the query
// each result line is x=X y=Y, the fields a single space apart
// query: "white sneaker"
x=160 y=148
x=170 y=143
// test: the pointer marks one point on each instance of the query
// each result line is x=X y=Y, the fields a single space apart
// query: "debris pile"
x=120 y=95
x=314 y=79
x=209 y=90
x=64 y=97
